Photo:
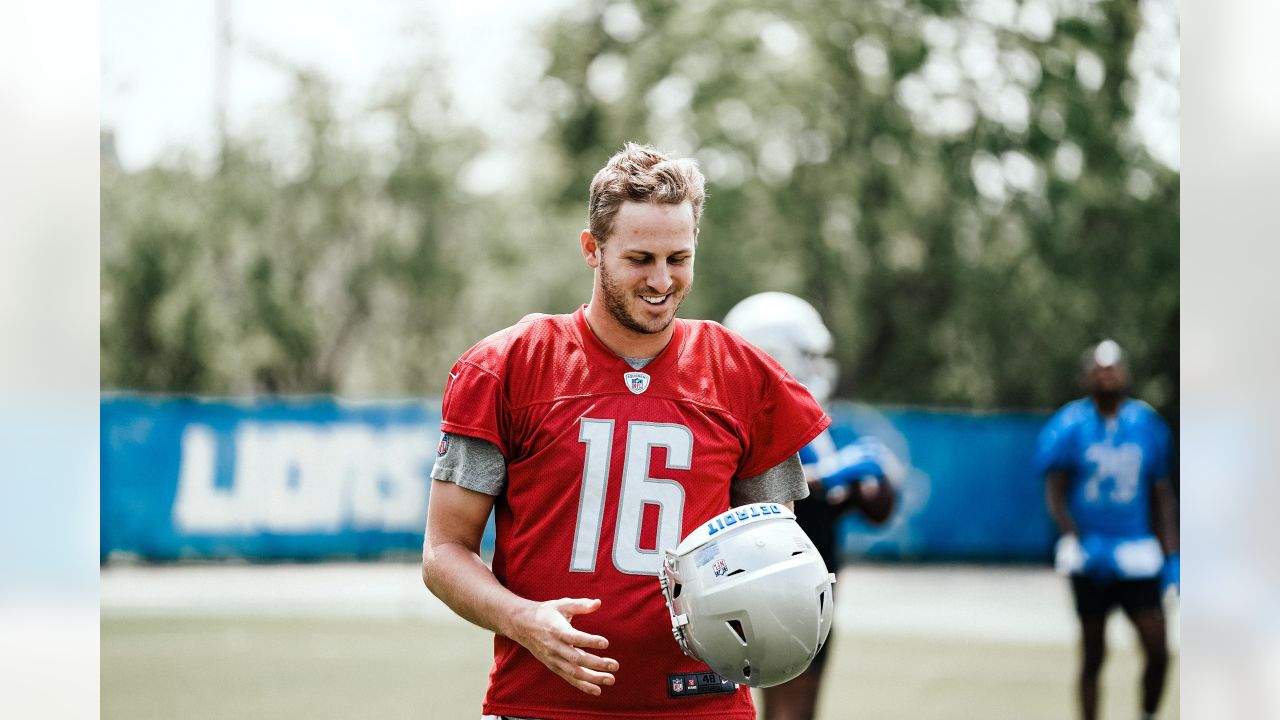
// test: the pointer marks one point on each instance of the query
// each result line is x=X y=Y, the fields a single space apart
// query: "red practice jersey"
x=606 y=467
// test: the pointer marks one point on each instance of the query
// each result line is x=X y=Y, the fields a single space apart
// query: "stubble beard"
x=615 y=301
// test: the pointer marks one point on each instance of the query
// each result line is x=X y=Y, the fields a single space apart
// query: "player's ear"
x=590 y=249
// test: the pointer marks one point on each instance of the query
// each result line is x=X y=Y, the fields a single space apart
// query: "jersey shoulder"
x=535 y=333
x=719 y=368
x=1139 y=414
x=1139 y=410
x=714 y=344
x=1072 y=415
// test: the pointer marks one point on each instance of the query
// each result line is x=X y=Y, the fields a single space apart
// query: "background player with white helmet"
x=1106 y=462
x=857 y=476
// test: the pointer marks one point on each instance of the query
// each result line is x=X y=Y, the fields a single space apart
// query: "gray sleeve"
x=784 y=482
x=472 y=463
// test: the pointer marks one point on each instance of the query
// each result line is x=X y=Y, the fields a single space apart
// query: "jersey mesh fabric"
x=478 y=465
x=534 y=390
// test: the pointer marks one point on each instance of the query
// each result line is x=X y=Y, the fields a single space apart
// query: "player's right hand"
x=546 y=630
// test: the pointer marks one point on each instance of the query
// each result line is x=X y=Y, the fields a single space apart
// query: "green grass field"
x=221 y=667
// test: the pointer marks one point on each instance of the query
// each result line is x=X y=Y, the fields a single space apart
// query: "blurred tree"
x=331 y=276
x=956 y=185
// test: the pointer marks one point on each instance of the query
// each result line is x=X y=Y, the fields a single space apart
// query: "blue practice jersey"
x=1112 y=464
x=866 y=457
x=819 y=449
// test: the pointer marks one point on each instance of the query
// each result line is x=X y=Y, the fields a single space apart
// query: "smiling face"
x=643 y=273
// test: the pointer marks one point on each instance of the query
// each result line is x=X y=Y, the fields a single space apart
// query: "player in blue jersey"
x=858 y=476
x=1106 y=461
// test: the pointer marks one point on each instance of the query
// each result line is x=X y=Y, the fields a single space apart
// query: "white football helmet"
x=749 y=595
x=792 y=332
x=1107 y=353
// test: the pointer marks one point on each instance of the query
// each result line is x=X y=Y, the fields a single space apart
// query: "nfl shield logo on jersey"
x=637 y=382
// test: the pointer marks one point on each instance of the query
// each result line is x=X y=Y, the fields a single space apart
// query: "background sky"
x=159 y=78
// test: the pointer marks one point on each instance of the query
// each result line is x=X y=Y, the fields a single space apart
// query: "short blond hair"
x=640 y=173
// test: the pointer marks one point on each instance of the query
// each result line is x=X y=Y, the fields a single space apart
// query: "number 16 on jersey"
x=637 y=490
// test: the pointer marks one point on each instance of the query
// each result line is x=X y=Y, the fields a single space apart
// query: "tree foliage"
x=957 y=186
x=335 y=276
x=959 y=192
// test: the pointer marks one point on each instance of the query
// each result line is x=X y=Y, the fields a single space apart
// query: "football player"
x=601 y=438
x=1106 y=460
x=854 y=477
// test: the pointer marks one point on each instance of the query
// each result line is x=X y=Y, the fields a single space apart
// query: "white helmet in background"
x=749 y=595
x=792 y=332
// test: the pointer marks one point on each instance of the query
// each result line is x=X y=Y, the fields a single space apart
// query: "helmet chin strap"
x=678 y=620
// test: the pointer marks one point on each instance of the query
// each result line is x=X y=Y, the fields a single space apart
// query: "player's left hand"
x=1171 y=574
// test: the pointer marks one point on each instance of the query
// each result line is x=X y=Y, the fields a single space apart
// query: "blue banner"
x=318 y=478
x=304 y=478
x=969 y=492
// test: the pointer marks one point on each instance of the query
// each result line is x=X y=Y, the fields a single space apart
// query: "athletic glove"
x=1068 y=556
